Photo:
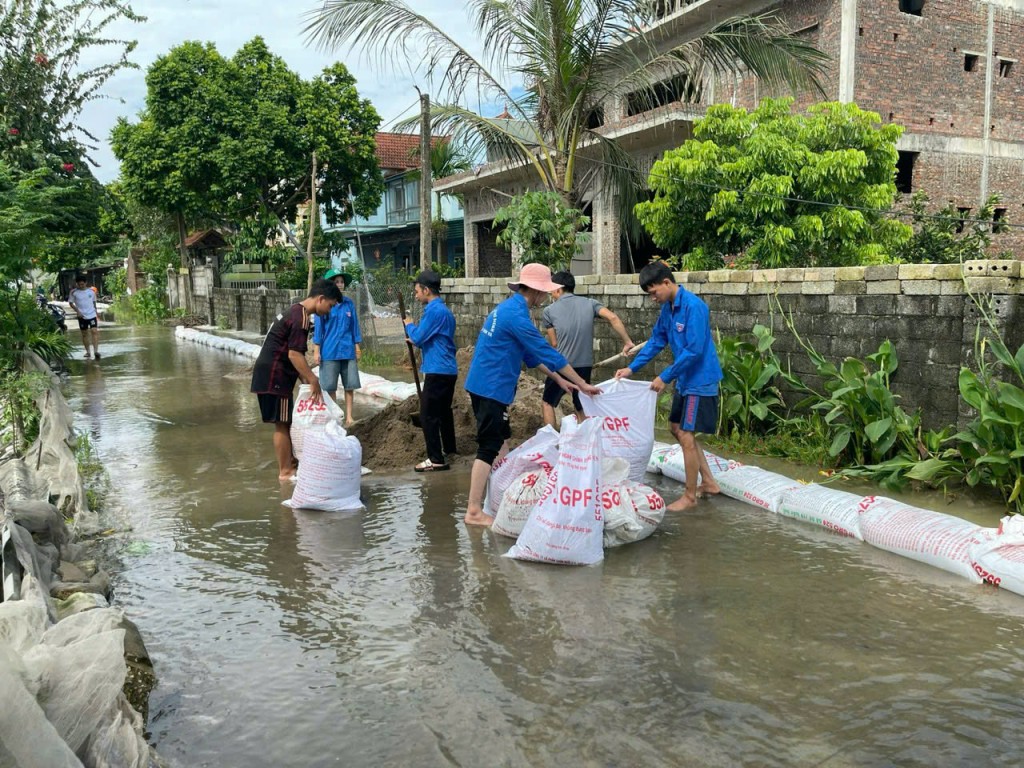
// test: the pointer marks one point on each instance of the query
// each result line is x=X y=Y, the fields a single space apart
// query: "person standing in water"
x=336 y=345
x=83 y=300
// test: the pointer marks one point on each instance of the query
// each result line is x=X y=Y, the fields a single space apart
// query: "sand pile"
x=392 y=441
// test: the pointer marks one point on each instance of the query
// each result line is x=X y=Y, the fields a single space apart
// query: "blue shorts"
x=695 y=413
x=331 y=370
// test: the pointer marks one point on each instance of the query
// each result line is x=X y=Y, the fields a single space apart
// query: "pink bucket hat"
x=535 y=276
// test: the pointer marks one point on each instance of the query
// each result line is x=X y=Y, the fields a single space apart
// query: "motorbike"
x=57 y=315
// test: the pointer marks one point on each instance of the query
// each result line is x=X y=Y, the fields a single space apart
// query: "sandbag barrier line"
x=982 y=555
x=370 y=384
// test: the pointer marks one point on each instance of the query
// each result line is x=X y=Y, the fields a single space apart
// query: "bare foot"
x=286 y=477
x=349 y=423
x=708 y=489
x=476 y=516
x=682 y=504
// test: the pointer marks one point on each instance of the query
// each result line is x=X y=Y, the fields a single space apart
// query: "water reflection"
x=397 y=636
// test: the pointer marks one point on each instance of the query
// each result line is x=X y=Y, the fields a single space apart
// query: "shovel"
x=412 y=357
x=613 y=358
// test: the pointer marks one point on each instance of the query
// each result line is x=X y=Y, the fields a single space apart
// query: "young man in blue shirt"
x=336 y=349
x=435 y=335
x=507 y=339
x=684 y=325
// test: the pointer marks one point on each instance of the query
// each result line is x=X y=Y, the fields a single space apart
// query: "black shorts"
x=276 y=409
x=553 y=393
x=492 y=427
x=92 y=322
x=695 y=413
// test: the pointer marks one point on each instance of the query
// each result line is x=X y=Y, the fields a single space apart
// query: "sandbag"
x=923 y=535
x=329 y=473
x=518 y=502
x=674 y=467
x=541 y=450
x=632 y=511
x=658 y=453
x=567 y=525
x=308 y=416
x=999 y=558
x=756 y=486
x=626 y=411
x=836 y=510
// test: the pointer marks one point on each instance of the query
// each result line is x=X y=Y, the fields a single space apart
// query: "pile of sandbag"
x=567 y=495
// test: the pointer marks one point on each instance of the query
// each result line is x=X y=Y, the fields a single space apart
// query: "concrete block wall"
x=249 y=309
x=927 y=311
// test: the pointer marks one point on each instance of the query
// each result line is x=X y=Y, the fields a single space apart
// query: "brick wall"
x=924 y=310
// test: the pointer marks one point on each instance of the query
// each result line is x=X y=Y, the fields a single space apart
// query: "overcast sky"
x=229 y=24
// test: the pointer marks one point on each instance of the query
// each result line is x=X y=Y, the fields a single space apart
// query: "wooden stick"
x=613 y=358
x=409 y=344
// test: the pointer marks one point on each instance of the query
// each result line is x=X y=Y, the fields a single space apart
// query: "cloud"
x=231 y=23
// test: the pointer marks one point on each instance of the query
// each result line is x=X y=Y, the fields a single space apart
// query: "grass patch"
x=94 y=474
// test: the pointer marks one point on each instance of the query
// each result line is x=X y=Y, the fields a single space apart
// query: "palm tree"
x=572 y=57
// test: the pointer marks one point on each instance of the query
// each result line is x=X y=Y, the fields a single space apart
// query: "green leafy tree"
x=572 y=57
x=543 y=229
x=943 y=237
x=235 y=138
x=776 y=189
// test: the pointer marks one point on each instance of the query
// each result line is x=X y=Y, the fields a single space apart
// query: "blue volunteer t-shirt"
x=435 y=335
x=507 y=339
x=685 y=326
x=338 y=333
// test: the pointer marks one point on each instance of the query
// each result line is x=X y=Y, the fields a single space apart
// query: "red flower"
x=40 y=59
x=13 y=132
x=68 y=167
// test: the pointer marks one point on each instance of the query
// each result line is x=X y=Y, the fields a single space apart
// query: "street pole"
x=426 y=182
x=311 y=219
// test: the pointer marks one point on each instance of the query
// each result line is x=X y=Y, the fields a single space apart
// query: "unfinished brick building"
x=948 y=70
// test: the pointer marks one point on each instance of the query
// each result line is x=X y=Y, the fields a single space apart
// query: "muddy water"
x=397 y=637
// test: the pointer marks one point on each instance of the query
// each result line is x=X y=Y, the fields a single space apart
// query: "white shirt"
x=84 y=302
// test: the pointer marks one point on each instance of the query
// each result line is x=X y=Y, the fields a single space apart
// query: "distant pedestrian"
x=83 y=300
x=684 y=325
x=507 y=339
x=336 y=345
x=569 y=324
x=435 y=335
x=282 y=361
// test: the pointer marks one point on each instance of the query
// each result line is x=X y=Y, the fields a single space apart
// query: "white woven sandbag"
x=567 y=525
x=836 y=510
x=626 y=411
x=308 y=416
x=541 y=450
x=674 y=467
x=999 y=557
x=756 y=486
x=329 y=473
x=518 y=502
x=658 y=453
x=921 y=534
x=632 y=511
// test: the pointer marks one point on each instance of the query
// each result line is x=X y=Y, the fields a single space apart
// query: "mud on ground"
x=391 y=441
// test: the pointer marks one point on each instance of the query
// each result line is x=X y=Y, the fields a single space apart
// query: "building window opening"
x=1005 y=65
x=970 y=62
x=998 y=221
x=962 y=214
x=913 y=7
x=905 y=172
x=679 y=88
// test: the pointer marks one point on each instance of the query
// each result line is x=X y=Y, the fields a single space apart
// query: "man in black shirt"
x=282 y=361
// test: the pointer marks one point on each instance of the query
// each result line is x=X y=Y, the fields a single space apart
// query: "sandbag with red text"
x=539 y=452
x=567 y=525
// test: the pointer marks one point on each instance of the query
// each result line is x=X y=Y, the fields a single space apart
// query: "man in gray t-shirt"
x=569 y=324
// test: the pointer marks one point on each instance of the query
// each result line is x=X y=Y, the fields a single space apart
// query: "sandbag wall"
x=979 y=554
x=74 y=673
x=370 y=384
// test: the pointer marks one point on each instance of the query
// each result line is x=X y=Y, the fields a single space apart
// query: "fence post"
x=239 y=318
x=263 y=313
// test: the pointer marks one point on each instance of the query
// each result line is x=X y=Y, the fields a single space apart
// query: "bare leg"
x=688 y=443
x=95 y=341
x=580 y=417
x=549 y=414
x=708 y=486
x=477 y=485
x=85 y=341
x=283 y=451
x=349 y=421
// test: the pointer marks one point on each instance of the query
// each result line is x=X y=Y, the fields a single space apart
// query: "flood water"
x=395 y=636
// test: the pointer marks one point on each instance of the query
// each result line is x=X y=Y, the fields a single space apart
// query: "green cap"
x=330 y=274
